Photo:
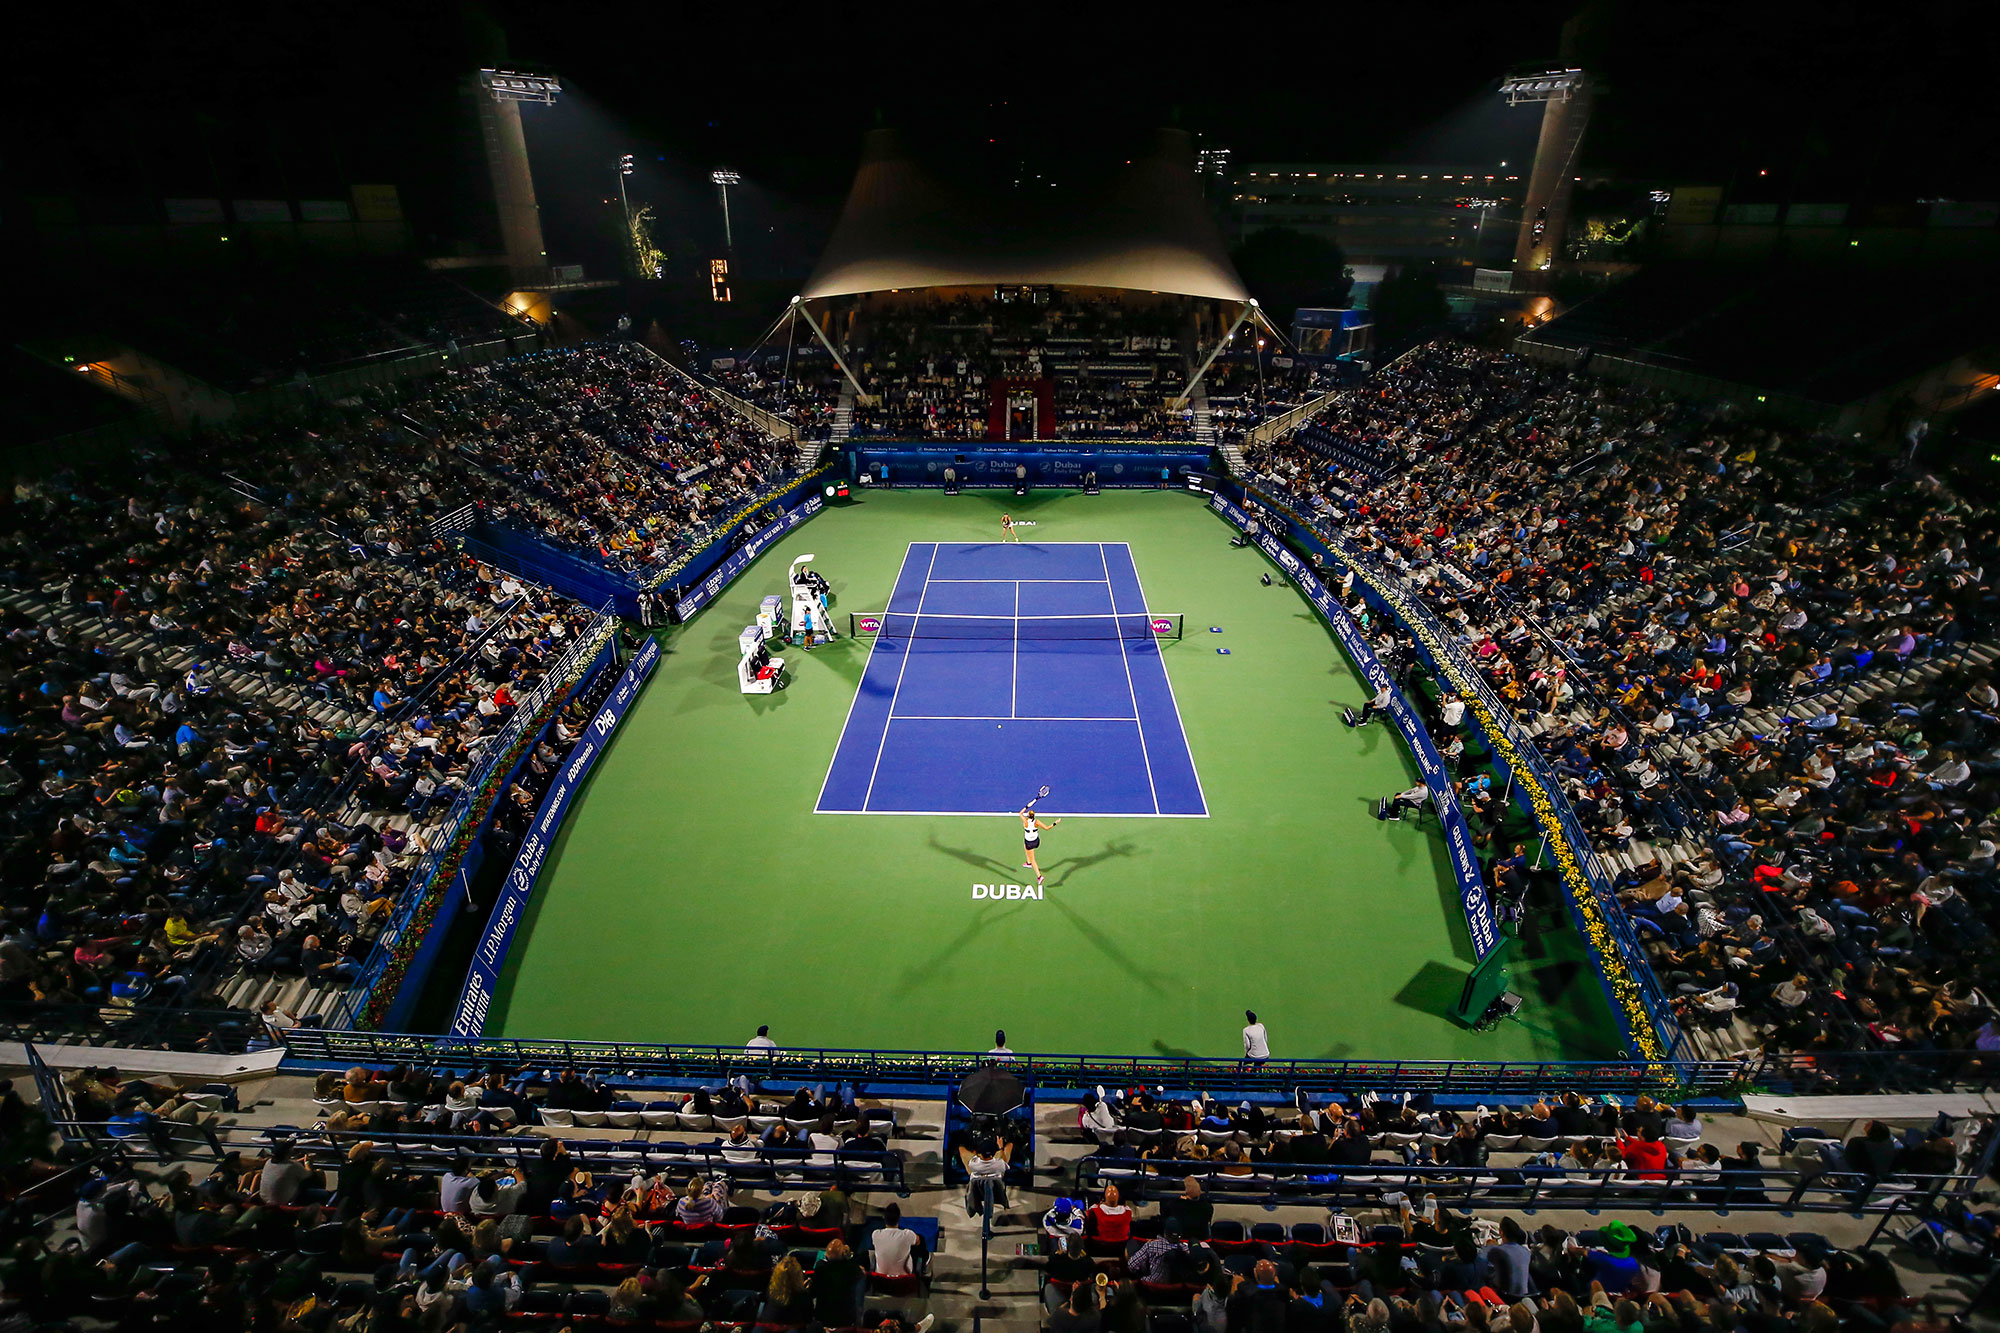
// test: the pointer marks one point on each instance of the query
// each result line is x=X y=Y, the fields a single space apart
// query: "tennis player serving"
x=1031 y=833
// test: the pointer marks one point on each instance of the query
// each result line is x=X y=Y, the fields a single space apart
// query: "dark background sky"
x=126 y=101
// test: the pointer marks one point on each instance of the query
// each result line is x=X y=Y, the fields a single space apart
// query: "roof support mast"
x=799 y=312
x=1243 y=313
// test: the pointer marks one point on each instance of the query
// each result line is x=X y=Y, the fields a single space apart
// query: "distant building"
x=1385 y=214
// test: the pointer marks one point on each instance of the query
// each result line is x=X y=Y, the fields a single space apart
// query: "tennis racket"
x=1038 y=796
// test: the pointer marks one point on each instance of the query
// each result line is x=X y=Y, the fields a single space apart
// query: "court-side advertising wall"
x=1472 y=895
x=724 y=574
x=1047 y=464
x=483 y=977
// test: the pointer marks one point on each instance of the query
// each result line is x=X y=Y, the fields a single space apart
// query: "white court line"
x=1127 y=661
x=852 y=703
x=1017 y=580
x=914 y=619
x=989 y=814
x=1020 y=543
x=1186 y=745
x=959 y=717
x=1014 y=680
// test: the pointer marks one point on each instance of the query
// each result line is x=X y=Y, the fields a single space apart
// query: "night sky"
x=124 y=101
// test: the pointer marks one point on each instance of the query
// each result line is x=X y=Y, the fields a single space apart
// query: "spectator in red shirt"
x=1109 y=1221
x=1645 y=1156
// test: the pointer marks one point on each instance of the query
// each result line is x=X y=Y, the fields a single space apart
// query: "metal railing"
x=714 y=1064
x=1265 y=431
x=152 y=1023
x=763 y=419
x=421 y=1149
x=1527 y=1188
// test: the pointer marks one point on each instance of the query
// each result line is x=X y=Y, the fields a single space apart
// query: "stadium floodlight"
x=1550 y=85
x=507 y=85
x=624 y=170
x=724 y=178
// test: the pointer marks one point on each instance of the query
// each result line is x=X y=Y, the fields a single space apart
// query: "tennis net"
x=1131 y=626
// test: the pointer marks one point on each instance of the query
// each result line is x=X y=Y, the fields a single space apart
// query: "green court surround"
x=694 y=893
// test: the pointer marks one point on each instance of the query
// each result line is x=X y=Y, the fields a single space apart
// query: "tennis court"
x=998 y=669
x=697 y=890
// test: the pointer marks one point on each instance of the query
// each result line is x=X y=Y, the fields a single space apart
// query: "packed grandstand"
x=255 y=692
x=291 y=702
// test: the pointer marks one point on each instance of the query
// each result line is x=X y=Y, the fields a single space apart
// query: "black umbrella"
x=991 y=1091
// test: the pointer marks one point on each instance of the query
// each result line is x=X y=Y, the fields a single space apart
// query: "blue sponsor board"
x=724 y=574
x=483 y=977
x=993 y=465
x=1472 y=895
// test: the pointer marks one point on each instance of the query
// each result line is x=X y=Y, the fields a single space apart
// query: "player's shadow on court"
x=1069 y=865
x=928 y=972
x=974 y=859
x=1104 y=944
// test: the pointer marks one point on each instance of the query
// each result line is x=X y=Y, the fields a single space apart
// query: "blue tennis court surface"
x=1004 y=668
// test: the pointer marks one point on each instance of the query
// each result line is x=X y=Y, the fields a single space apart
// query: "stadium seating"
x=247 y=690
x=1761 y=679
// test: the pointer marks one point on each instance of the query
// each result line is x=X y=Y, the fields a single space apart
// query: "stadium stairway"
x=807 y=457
x=179 y=658
x=843 y=416
x=1205 y=434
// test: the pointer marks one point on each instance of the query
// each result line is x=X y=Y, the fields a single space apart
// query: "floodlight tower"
x=1565 y=97
x=724 y=178
x=507 y=164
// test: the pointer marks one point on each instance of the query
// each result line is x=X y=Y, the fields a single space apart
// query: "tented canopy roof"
x=1146 y=230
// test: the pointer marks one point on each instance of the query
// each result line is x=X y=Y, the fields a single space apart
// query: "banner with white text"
x=483 y=977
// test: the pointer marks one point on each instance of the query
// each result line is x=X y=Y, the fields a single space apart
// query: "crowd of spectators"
x=600 y=450
x=1444 y=1270
x=1634 y=576
x=1112 y=366
x=803 y=390
x=242 y=693
x=1568 y=1142
x=355 y=1223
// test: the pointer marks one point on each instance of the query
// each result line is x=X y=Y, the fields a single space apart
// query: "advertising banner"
x=483 y=977
x=1472 y=895
x=987 y=464
x=738 y=560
